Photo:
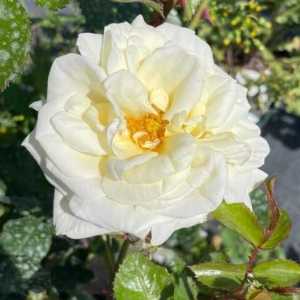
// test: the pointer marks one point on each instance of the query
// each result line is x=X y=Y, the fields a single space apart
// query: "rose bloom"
x=142 y=133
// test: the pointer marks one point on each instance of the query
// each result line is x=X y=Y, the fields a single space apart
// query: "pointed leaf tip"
x=238 y=217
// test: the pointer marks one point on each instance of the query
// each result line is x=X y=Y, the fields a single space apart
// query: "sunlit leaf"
x=140 y=279
x=26 y=241
x=238 y=217
x=277 y=273
x=53 y=4
x=280 y=232
x=184 y=286
x=14 y=40
x=220 y=275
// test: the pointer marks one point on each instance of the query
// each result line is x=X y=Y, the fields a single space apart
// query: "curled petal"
x=127 y=94
x=89 y=45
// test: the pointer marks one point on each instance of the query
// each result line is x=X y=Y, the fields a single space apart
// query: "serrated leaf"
x=53 y=4
x=238 y=217
x=140 y=279
x=26 y=241
x=280 y=232
x=277 y=273
x=220 y=275
x=14 y=40
x=157 y=6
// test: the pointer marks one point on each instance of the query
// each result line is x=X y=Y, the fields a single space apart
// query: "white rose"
x=142 y=133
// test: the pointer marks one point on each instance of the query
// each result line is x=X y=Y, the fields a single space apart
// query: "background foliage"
x=256 y=41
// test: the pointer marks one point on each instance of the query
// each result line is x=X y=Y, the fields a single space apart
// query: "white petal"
x=89 y=45
x=108 y=213
x=68 y=161
x=140 y=22
x=126 y=193
x=31 y=145
x=37 y=105
x=113 y=45
x=77 y=134
x=241 y=183
x=160 y=232
x=152 y=170
x=235 y=151
x=187 y=94
x=176 y=155
x=209 y=181
x=259 y=151
x=67 y=224
x=77 y=105
x=239 y=112
x=220 y=103
x=117 y=167
x=166 y=68
x=246 y=129
x=127 y=94
x=187 y=39
x=181 y=149
x=72 y=74
x=123 y=147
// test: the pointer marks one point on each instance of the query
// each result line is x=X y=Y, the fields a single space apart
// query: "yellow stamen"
x=147 y=132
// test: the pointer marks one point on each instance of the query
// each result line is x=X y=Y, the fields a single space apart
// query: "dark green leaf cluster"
x=238 y=280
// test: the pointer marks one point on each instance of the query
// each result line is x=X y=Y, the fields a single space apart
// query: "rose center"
x=148 y=132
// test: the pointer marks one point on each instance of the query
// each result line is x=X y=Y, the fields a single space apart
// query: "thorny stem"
x=241 y=291
x=274 y=216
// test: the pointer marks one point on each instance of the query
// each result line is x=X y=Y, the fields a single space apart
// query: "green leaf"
x=14 y=40
x=53 y=4
x=234 y=246
x=140 y=279
x=157 y=6
x=280 y=232
x=277 y=273
x=238 y=217
x=184 y=287
x=220 y=275
x=2 y=189
x=26 y=241
x=260 y=206
x=282 y=297
x=279 y=223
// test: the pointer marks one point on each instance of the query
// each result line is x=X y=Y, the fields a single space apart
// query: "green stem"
x=187 y=287
x=108 y=256
x=188 y=11
x=197 y=16
x=122 y=254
